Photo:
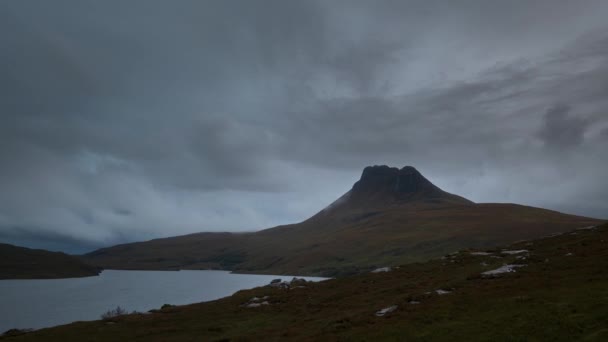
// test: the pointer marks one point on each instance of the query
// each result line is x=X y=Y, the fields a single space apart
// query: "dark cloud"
x=560 y=129
x=604 y=133
x=125 y=121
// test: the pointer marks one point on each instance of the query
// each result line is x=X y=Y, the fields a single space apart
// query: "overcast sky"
x=130 y=120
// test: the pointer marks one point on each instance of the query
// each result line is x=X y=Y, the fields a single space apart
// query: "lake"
x=47 y=302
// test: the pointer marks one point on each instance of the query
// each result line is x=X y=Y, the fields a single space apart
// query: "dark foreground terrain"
x=24 y=263
x=557 y=291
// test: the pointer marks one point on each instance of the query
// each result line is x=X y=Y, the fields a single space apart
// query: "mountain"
x=390 y=216
x=554 y=289
x=24 y=263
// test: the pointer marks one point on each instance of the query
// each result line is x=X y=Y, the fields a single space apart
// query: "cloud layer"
x=127 y=121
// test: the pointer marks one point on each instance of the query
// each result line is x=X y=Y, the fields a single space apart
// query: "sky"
x=130 y=120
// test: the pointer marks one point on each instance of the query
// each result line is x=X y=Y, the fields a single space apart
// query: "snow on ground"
x=442 y=292
x=502 y=269
x=480 y=253
x=382 y=269
x=519 y=251
x=385 y=311
x=256 y=305
x=587 y=228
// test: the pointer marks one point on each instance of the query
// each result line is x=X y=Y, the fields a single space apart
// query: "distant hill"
x=553 y=289
x=24 y=263
x=390 y=216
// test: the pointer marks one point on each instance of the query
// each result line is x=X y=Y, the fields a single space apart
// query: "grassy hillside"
x=390 y=216
x=346 y=242
x=559 y=293
x=24 y=263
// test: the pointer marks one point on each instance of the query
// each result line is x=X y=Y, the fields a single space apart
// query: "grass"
x=335 y=244
x=561 y=295
x=25 y=263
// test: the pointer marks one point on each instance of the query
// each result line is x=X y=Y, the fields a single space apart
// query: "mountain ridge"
x=24 y=263
x=390 y=216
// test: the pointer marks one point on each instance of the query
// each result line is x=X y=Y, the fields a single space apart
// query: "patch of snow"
x=442 y=292
x=502 y=269
x=519 y=251
x=413 y=302
x=385 y=311
x=480 y=253
x=382 y=269
x=483 y=263
x=587 y=228
x=521 y=257
x=256 y=305
x=569 y=254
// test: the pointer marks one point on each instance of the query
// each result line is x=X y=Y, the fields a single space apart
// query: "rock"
x=386 y=311
x=296 y=281
x=280 y=285
x=480 y=253
x=382 y=269
x=501 y=270
x=442 y=292
x=274 y=281
x=384 y=183
x=519 y=251
x=255 y=302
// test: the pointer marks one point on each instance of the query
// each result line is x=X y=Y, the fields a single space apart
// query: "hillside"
x=24 y=263
x=390 y=216
x=557 y=290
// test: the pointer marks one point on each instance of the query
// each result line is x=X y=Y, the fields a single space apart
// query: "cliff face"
x=381 y=187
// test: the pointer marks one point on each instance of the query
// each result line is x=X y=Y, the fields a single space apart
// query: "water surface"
x=42 y=303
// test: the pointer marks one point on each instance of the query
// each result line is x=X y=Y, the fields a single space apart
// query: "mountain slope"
x=390 y=216
x=557 y=292
x=24 y=263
